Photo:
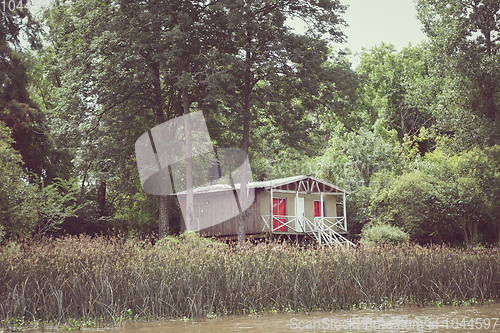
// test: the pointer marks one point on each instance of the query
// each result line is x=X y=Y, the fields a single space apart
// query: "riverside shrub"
x=380 y=234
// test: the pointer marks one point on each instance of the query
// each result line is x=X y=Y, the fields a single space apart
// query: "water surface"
x=484 y=318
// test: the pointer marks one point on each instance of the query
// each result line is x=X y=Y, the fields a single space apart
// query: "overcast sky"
x=373 y=21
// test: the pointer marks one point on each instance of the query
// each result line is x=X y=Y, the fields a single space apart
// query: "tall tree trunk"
x=498 y=232
x=189 y=218
x=243 y=219
x=164 y=216
x=246 y=138
x=164 y=212
x=101 y=196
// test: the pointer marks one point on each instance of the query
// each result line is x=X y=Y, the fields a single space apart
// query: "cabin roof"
x=274 y=183
x=277 y=183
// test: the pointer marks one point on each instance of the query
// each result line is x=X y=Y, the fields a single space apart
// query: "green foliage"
x=57 y=202
x=29 y=127
x=112 y=70
x=407 y=202
x=30 y=133
x=464 y=47
x=353 y=158
x=25 y=207
x=405 y=131
x=380 y=234
x=387 y=94
x=18 y=213
x=445 y=197
x=13 y=25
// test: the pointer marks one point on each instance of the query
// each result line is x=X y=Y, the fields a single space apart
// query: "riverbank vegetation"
x=94 y=281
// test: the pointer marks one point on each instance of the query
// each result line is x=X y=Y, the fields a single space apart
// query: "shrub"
x=383 y=234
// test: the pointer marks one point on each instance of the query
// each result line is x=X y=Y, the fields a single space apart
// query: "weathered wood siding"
x=222 y=208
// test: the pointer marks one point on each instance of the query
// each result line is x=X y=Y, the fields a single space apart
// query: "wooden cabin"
x=295 y=206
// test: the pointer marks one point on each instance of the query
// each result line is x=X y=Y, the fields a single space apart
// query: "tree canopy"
x=412 y=133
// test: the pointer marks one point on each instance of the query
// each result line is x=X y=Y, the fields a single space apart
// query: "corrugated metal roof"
x=288 y=180
x=278 y=182
x=263 y=184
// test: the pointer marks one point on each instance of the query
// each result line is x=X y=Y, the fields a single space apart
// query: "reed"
x=102 y=280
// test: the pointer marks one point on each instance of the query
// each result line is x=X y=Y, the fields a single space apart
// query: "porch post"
x=296 y=212
x=345 y=214
x=272 y=217
x=322 y=214
x=321 y=207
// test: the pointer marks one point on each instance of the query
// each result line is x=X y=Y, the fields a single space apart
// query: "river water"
x=485 y=318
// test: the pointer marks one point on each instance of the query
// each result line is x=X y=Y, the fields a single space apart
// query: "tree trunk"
x=242 y=221
x=464 y=232
x=246 y=137
x=164 y=216
x=498 y=233
x=189 y=218
x=164 y=202
x=101 y=197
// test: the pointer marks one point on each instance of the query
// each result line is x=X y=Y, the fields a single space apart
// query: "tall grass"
x=105 y=279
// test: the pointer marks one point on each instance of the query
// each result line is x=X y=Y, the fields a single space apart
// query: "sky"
x=36 y=4
x=373 y=21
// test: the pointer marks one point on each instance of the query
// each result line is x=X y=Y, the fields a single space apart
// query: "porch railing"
x=286 y=221
x=325 y=230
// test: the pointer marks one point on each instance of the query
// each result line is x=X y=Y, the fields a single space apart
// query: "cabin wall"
x=222 y=207
x=330 y=205
x=209 y=207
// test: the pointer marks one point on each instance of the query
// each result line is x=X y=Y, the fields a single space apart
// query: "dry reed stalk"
x=111 y=279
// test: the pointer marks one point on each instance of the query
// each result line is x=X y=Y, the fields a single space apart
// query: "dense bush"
x=451 y=197
x=380 y=234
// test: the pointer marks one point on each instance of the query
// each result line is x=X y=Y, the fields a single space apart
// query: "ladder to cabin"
x=329 y=239
x=325 y=235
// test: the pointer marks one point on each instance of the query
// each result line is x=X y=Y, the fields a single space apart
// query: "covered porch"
x=304 y=205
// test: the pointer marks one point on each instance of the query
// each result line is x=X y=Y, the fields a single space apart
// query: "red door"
x=279 y=214
x=317 y=212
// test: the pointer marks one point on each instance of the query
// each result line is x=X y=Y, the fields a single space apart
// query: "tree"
x=122 y=68
x=484 y=166
x=29 y=127
x=56 y=203
x=18 y=208
x=12 y=24
x=410 y=201
x=444 y=197
x=464 y=40
x=125 y=64
x=351 y=161
x=386 y=97
x=272 y=72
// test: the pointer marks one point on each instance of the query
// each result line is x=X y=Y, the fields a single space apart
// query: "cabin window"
x=279 y=214
x=200 y=210
x=317 y=212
